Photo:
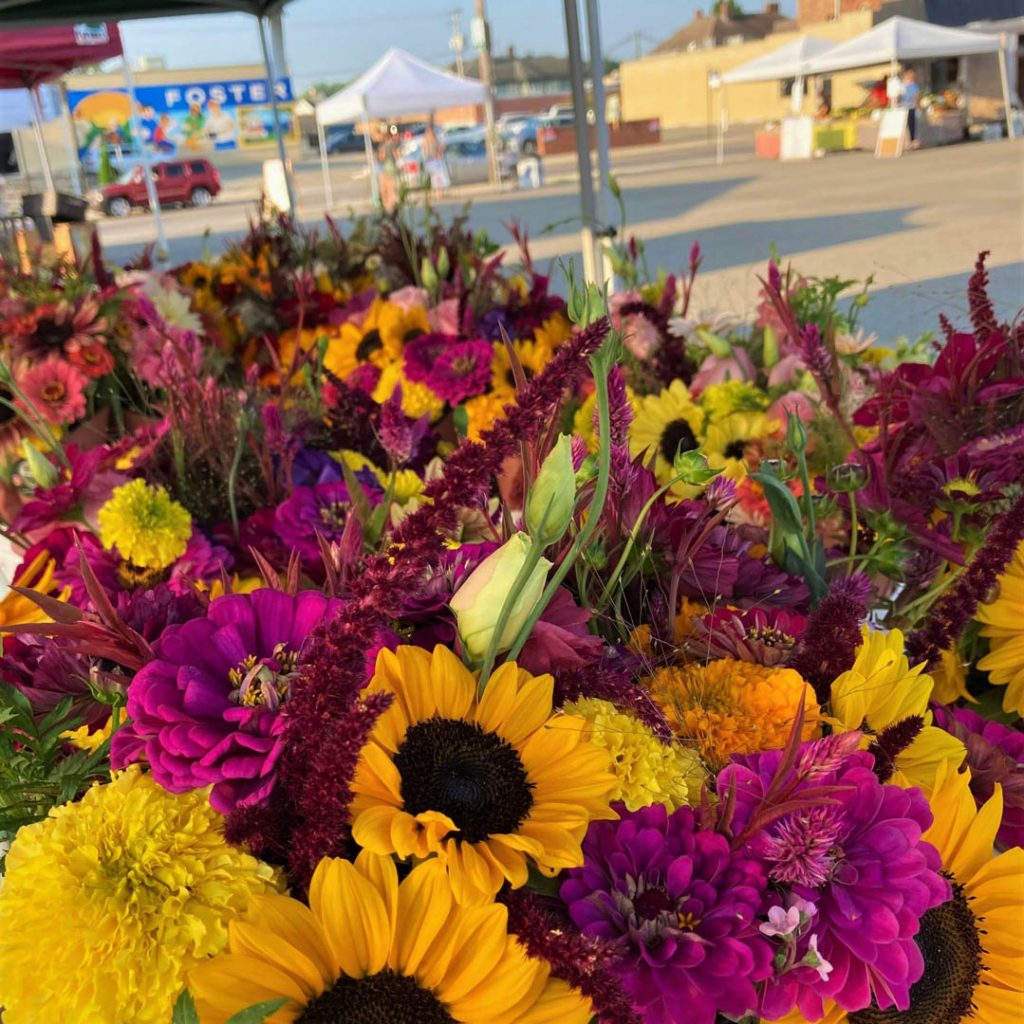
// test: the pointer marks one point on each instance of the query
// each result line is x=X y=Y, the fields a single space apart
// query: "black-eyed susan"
x=377 y=338
x=1002 y=621
x=371 y=950
x=973 y=965
x=727 y=441
x=880 y=690
x=665 y=425
x=111 y=900
x=487 y=784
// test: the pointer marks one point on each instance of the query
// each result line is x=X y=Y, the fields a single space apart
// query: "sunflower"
x=378 y=338
x=880 y=690
x=734 y=707
x=486 y=783
x=483 y=411
x=727 y=441
x=1002 y=621
x=973 y=968
x=417 y=399
x=17 y=609
x=554 y=331
x=369 y=950
x=533 y=356
x=664 y=425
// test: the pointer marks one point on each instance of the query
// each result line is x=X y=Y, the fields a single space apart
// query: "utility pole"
x=457 y=41
x=638 y=44
x=480 y=32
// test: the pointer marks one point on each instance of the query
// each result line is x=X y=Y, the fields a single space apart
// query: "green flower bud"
x=692 y=467
x=428 y=275
x=443 y=264
x=717 y=345
x=553 y=495
x=796 y=433
x=42 y=470
x=850 y=476
x=771 y=347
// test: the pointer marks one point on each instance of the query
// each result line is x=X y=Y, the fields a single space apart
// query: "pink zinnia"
x=461 y=371
x=54 y=390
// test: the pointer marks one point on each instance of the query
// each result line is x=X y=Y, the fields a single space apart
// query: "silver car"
x=465 y=155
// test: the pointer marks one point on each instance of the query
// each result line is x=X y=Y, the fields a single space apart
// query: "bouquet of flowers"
x=435 y=650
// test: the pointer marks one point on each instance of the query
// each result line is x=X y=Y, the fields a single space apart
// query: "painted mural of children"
x=193 y=125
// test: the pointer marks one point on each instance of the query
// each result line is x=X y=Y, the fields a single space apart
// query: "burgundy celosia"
x=679 y=907
x=206 y=709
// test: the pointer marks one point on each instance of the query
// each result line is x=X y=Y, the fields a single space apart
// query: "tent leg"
x=579 y=104
x=37 y=128
x=162 y=250
x=371 y=162
x=71 y=141
x=603 y=199
x=325 y=168
x=1004 y=79
x=278 y=134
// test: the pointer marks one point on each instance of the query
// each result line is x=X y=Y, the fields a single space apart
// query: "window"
x=197 y=167
x=175 y=171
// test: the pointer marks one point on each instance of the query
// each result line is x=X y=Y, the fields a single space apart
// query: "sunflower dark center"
x=371 y=343
x=52 y=334
x=677 y=437
x=951 y=947
x=735 y=449
x=473 y=776
x=384 y=998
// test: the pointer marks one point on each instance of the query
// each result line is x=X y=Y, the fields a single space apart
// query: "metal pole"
x=457 y=42
x=579 y=106
x=482 y=35
x=371 y=160
x=70 y=140
x=1004 y=79
x=37 y=128
x=162 y=250
x=278 y=133
x=603 y=198
x=277 y=44
x=325 y=168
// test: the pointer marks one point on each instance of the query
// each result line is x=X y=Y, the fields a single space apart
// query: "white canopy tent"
x=789 y=61
x=901 y=39
x=397 y=84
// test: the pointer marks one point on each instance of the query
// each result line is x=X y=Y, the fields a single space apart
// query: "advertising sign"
x=190 y=117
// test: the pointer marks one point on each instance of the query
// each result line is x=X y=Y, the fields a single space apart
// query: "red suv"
x=177 y=181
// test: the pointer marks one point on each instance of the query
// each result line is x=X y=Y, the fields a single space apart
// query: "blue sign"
x=191 y=115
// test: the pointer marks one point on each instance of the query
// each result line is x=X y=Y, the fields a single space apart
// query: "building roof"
x=511 y=69
x=707 y=30
x=954 y=13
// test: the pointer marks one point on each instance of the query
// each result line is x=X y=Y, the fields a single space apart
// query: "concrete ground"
x=915 y=224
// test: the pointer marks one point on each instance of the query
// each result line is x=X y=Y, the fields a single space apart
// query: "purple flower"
x=202 y=561
x=461 y=371
x=995 y=755
x=680 y=907
x=321 y=509
x=206 y=709
x=422 y=353
x=859 y=859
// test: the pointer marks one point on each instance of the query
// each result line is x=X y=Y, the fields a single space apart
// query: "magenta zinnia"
x=206 y=710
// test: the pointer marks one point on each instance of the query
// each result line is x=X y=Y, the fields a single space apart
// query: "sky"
x=325 y=45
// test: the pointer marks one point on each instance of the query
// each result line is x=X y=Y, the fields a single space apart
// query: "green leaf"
x=785 y=510
x=185 y=1009
x=692 y=468
x=259 y=1012
x=460 y=418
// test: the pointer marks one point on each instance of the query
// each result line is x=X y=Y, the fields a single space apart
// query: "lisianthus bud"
x=478 y=602
x=41 y=469
x=553 y=494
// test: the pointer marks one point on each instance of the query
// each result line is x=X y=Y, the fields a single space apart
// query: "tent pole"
x=268 y=64
x=1004 y=79
x=579 y=105
x=603 y=199
x=371 y=161
x=325 y=169
x=162 y=250
x=37 y=128
x=70 y=140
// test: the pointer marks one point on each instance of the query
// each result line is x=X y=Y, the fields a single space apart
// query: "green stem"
x=236 y=463
x=805 y=480
x=601 y=367
x=854 y=527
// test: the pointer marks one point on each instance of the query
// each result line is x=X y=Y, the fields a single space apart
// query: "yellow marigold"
x=109 y=902
x=647 y=770
x=734 y=707
x=483 y=410
x=417 y=399
x=146 y=525
x=1002 y=621
x=406 y=484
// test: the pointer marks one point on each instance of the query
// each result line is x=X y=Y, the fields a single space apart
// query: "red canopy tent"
x=29 y=57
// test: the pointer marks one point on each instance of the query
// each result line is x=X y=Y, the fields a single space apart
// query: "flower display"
x=388 y=638
x=147 y=884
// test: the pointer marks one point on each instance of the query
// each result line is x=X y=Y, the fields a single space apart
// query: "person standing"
x=433 y=161
x=910 y=98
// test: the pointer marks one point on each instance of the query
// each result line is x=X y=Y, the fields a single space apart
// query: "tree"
x=727 y=8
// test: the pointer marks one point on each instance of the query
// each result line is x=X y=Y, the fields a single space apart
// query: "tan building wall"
x=673 y=87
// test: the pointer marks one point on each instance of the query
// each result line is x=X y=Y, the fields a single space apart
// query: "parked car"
x=465 y=155
x=194 y=182
x=343 y=138
x=123 y=155
x=518 y=132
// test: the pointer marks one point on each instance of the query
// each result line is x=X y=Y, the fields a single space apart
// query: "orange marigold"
x=734 y=707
